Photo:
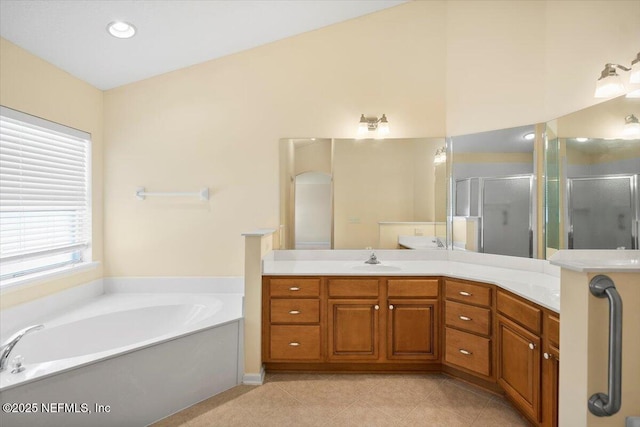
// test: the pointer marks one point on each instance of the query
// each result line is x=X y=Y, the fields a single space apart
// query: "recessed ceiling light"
x=582 y=139
x=121 y=29
x=529 y=136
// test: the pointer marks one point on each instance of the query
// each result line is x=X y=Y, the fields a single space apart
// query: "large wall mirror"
x=494 y=192
x=363 y=193
x=592 y=162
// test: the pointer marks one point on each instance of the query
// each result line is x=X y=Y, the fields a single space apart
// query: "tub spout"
x=5 y=349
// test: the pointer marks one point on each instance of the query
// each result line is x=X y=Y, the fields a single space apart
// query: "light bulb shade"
x=609 y=86
x=383 y=128
x=631 y=127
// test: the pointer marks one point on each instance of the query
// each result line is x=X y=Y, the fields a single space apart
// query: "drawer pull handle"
x=377 y=307
x=294 y=344
x=390 y=306
x=465 y=352
x=465 y=318
x=465 y=294
x=294 y=288
x=294 y=312
x=532 y=346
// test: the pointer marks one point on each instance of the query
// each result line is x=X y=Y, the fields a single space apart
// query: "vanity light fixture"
x=440 y=156
x=366 y=124
x=121 y=29
x=634 y=77
x=631 y=127
x=610 y=83
x=529 y=136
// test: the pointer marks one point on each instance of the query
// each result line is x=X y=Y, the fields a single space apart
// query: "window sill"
x=49 y=275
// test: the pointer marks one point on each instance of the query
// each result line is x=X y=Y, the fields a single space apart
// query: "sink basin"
x=376 y=267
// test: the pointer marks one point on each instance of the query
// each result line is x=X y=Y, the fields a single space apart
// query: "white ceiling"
x=172 y=34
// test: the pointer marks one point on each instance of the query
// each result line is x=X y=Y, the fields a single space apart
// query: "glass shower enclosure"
x=603 y=212
x=504 y=207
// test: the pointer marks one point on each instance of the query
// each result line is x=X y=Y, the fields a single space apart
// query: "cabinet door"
x=550 y=383
x=519 y=366
x=412 y=329
x=353 y=329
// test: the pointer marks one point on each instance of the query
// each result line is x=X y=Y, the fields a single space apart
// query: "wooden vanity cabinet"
x=353 y=319
x=550 y=370
x=528 y=354
x=468 y=328
x=413 y=319
x=291 y=320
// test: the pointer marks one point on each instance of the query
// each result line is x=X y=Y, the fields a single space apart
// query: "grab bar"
x=600 y=404
x=141 y=194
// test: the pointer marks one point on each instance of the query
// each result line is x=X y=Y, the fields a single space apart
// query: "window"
x=45 y=209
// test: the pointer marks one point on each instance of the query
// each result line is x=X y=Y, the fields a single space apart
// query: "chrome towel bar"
x=203 y=194
x=600 y=404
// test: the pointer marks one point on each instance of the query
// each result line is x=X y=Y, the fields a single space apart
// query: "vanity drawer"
x=468 y=292
x=468 y=317
x=353 y=288
x=296 y=288
x=413 y=288
x=468 y=351
x=290 y=310
x=522 y=312
x=295 y=342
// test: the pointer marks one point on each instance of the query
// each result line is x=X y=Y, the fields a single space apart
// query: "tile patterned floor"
x=351 y=400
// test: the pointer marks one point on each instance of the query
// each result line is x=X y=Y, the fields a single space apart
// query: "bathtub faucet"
x=5 y=349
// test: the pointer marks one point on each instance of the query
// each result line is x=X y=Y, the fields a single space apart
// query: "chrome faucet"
x=372 y=259
x=5 y=349
x=438 y=242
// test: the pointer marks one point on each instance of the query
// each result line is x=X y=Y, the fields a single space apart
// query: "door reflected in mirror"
x=592 y=162
x=385 y=194
x=494 y=198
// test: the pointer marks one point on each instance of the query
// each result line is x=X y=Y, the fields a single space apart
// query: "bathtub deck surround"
x=175 y=340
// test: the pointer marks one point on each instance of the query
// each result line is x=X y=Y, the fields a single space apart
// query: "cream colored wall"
x=189 y=128
x=584 y=353
x=33 y=86
x=373 y=182
x=314 y=157
x=512 y=63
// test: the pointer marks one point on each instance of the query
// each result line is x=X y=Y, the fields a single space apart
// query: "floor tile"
x=319 y=400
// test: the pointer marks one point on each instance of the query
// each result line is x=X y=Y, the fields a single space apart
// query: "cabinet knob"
x=465 y=318
x=390 y=306
x=465 y=352
x=532 y=345
x=294 y=312
x=294 y=288
x=294 y=344
x=377 y=307
x=465 y=294
x=547 y=355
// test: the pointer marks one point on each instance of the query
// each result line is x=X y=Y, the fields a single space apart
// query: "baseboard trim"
x=254 y=378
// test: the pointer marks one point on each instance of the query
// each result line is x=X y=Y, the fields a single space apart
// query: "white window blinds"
x=45 y=219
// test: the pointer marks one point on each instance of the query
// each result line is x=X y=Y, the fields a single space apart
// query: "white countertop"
x=598 y=261
x=534 y=280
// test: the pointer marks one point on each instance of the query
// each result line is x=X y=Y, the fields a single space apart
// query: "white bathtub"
x=140 y=349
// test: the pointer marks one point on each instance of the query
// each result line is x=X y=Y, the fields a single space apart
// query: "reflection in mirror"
x=494 y=198
x=388 y=193
x=592 y=162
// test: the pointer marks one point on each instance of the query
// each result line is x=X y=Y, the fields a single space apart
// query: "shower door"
x=507 y=215
x=603 y=212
